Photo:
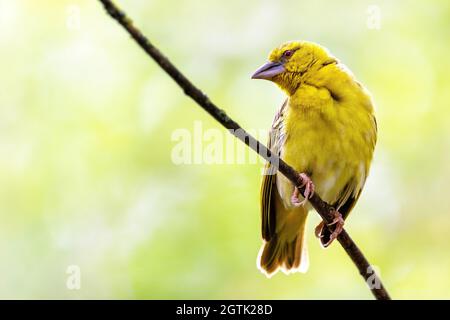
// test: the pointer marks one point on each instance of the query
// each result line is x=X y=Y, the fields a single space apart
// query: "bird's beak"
x=269 y=70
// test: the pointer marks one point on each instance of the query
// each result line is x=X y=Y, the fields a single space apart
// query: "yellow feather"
x=328 y=129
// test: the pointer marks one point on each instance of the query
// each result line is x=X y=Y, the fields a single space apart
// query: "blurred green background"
x=87 y=177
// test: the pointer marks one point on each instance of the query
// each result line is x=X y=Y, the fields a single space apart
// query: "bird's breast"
x=325 y=141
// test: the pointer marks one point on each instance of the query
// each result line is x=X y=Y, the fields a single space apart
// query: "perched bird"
x=326 y=130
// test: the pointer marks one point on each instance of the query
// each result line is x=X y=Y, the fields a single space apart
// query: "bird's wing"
x=352 y=190
x=349 y=195
x=347 y=198
x=268 y=185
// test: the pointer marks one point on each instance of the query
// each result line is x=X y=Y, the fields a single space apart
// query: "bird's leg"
x=338 y=223
x=304 y=181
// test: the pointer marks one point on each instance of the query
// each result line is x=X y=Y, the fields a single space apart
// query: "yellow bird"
x=326 y=129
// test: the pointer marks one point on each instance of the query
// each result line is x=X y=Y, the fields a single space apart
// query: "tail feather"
x=288 y=253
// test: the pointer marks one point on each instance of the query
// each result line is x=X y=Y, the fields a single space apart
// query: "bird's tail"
x=287 y=247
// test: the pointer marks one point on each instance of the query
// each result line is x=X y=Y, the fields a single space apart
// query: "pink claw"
x=305 y=181
x=338 y=221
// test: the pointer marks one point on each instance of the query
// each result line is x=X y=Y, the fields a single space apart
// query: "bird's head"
x=292 y=63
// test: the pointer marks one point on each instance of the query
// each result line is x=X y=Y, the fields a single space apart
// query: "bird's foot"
x=304 y=181
x=338 y=223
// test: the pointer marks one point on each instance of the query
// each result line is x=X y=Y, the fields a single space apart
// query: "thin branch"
x=323 y=208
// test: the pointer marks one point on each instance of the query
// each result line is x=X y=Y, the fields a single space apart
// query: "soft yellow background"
x=86 y=176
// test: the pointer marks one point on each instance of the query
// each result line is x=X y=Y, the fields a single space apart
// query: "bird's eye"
x=288 y=53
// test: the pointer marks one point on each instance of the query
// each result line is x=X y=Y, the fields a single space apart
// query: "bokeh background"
x=86 y=172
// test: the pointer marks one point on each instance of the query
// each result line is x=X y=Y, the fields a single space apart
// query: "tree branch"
x=323 y=208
